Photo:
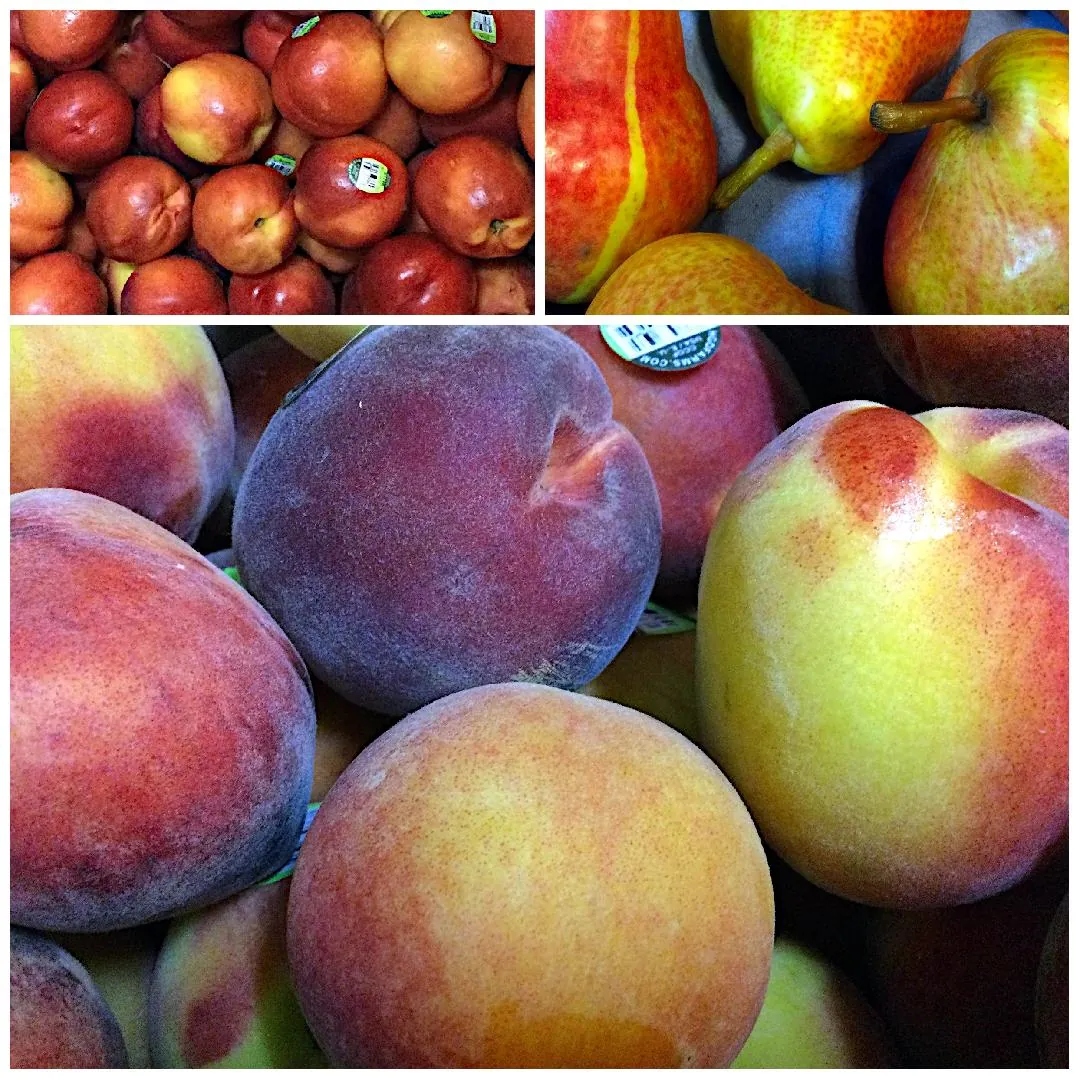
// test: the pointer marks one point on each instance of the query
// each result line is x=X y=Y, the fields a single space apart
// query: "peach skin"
x=883 y=653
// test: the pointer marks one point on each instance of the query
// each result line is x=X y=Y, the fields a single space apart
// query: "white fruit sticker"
x=662 y=346
x=305 y=27
x=282 y=163
x=482 y=24
x=658 y=620
x=370 y=175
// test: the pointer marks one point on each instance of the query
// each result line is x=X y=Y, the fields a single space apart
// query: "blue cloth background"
x=826 y=232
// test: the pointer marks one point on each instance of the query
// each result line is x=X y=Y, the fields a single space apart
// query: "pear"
x=980 y=225
x=703 y=274
x=810 y=77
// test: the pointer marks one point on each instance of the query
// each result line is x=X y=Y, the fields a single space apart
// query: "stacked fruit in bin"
x=271 y=162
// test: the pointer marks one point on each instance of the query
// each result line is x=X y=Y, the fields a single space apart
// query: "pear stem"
x=777 y=148
x=898 y=117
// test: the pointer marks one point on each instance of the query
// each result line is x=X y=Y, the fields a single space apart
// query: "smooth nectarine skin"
x=296 y=287
x=57 y=283
x=518 y=876
x=68 y=40
x=699 y=428
x=139 y=415
x=23 y=84
x=162 y=726
x=449 y=506
x=174 y=42
x=41 y=203
x=882 y=661
x=59 y=1019
x=174 y=285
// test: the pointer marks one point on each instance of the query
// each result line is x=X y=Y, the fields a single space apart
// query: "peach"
x=336 y=260
x=286 y=140
x=350 y=192
x=175 y=42
x=518 y=876
x=1006 y=367
x=115 y=274
x=553 y=538
x=58 y=283
x=23 y=89
x=206 y=20
x=438 y=64
x=264 y=33
x=158 y=705
x=883 y=660
x=497 y=117
x=79 y=239
x=244 y=219
x=221 y=994
x=699 y=427
x=217 y=108
x=152 y=138
x=397 y=124
x=174 y=285
x=319 y=340
x=68 y=40
x=139 y=415
x=526 y=115
x=296 y=287
x=139 y=209
x=329 y=78
x=342 y=730
x=59 y=1019
x=41 y=203
x=133 y=64
x=515 y=37
x=505 y=286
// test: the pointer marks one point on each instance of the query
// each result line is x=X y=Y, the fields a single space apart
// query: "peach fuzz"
x=139 y=415
x=156 y=704
x=615 y=911
x=699 y=428
x=514 y=525
x=59 y=1020
x=882 y=661
x=221 y=994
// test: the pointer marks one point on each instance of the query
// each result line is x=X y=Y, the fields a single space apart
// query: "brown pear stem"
x=898 y=117
x=777 y=148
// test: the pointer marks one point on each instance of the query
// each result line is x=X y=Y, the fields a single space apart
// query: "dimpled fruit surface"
x=442 y=507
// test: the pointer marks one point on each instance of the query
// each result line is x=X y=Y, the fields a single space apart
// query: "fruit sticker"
x=370 y=175
x=482 y=24
x=662 y=346
x=281 y=163
x=659 y=620
x=288 y=868
x=305 y=27
x=436 y=14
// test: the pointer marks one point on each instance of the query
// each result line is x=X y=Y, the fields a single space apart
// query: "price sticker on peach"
x=662 y=346
x=282 y=163
x=370 y=175
x=482 y=25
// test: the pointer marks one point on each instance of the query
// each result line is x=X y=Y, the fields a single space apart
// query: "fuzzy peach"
x=883 y=659
x=137 y=414
x=518 y=876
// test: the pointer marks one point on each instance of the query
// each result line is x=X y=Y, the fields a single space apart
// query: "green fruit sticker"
x=436 y=14
x=281 y=163
x=305 y=27
x=662 y=346
x=288 y=868
x=482 y=25
x=368 y=174
x=232 y=572
x=659 y=620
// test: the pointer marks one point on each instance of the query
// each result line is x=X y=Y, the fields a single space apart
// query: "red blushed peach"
x=350 y=192
x=191 y=784
x=435 y=922
x=139 y=209
x=505 y=287
x=133 y=64
x=330 y=80
x=175 y=43
x=41 y=203
x=859 y=535
x=68 y=40
x=554 y=539
x=413 y=221
x=59 y=1020
x=288 y=140
x=497 y=117
x=137 y=415
x=410 y=275
x=515 y=37
x=59 y=283
x=476 y=194
x=264 y=32
x=336 y=260
x=297 y=287
x=79 y=239
x=438 y=64
x=174 y=285
x=699 y=429
x=1004 y=367
x=244 y=218
x=217 y=108
x=398 y=125
x=152 y=138
x=526 y=115
x=80 y=122
x=23 y=89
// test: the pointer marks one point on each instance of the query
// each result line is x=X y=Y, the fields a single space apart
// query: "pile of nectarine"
x=271 y=162
x=450 y=696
